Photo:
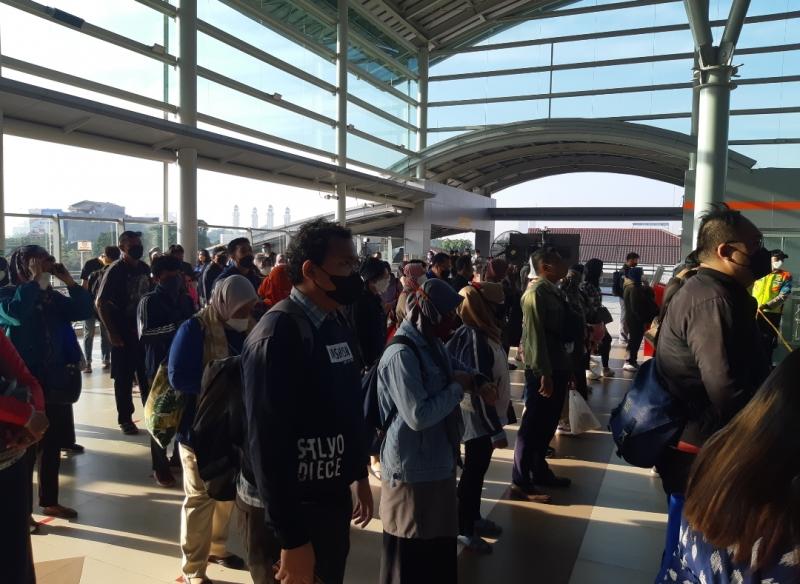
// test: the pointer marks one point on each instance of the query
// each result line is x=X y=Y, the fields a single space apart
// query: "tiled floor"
x=607 y=528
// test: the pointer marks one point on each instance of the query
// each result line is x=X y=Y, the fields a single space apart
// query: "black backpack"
x=616 y=285
x=218 y=432
x=369 y=386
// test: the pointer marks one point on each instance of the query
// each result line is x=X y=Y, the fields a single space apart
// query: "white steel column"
x=187 y=157
x=422 y=108
x=2 y=193
x=165 y=165
x=342 y=45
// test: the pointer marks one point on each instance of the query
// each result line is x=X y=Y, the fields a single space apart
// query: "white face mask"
x=238 y=324
x=382 y=285
x=43 y=280
x=777 y=265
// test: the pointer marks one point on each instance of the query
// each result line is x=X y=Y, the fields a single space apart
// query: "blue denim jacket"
x=418 y=447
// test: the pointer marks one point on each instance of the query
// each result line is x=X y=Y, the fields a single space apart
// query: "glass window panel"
x=492 y=113
x=624 y=104
x=765 y=126
x=535 y=56
x=379 y=127
x=486 y=87
x=382 y=99
x=248 y=30
x=231 y=62
x=371 y=153
x=622 y=76
x=683 y=125
x=73 y=52
x=768 y=64
x=228 y=104
x=765 y=95
x=624 y=47
x=773 y=155
x=436 y=137
x=126 y=17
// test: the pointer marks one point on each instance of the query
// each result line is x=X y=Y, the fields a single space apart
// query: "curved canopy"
x=493 y=159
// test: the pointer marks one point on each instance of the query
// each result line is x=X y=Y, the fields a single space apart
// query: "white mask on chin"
x=777 y=265
x=43 y=280
x=382 y=285
x=238 y=324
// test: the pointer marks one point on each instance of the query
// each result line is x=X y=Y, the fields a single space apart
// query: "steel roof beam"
x=733 y=29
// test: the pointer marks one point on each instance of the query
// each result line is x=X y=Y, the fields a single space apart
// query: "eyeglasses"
x=757 y=244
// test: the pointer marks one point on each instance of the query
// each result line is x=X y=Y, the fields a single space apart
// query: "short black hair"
x=175 y=248
x=125 y=236
x=544 y=255
x=165 y=263
x=219 y=250
x=718 y=226
x=235 y=243
x=632 y=256
x=311 y=243
x=439 y=258
x=112 y=252
x=462 y=263
x=204 y=253
x=420 y=262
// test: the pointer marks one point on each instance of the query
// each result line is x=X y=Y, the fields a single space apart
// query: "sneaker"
x=164 y=479
x=231 y=561
x=630 y=367
x=591 y=375
x=552 y=480
x=74 y=449
x=608 y=372
x=106 y=365
x=87 y=370
x=129 y=429
x=654 y=472
x=487 y=528
x=529 y=494
x=563 y=430
x=475 y=544
x=33 y=526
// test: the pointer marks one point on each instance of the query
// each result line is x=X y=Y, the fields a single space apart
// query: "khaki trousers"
x=204 y=521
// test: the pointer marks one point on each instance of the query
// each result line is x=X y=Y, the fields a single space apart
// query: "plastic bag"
x=581 y=418
x=163 y=409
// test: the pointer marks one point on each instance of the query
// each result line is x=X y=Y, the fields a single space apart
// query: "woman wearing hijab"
x=277 y=286
x=478 y=344
x=594 y=296
x=419 y=399
x=216 y=332
x=38 y=321
x=414 y=275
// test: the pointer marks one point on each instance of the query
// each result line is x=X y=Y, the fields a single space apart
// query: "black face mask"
x=445 y=274
x=247 y=262
x=760 y=263
x=136 y=251
x=348 y=288
x=173 y=286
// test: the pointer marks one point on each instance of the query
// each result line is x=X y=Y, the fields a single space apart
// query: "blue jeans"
x=537 y=428
x=89 y=329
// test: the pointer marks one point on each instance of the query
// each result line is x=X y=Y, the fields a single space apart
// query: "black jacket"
x=370 y=323
x=458 y=282
x=210 y=274
x=709 y=354
x=640 y=306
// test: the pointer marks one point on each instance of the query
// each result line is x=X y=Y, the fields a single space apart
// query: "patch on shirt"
x=340 y=353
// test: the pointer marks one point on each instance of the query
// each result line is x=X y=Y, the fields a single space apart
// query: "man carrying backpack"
x=618 y=289
x=303 y=408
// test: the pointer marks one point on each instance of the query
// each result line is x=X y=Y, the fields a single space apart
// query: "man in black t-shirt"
x=124 y=284
x=92 y=270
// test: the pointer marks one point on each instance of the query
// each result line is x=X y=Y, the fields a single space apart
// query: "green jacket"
x=544 y=314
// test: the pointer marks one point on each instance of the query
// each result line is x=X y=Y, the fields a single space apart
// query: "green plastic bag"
x=164 y=409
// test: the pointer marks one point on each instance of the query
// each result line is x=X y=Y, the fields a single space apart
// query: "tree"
x=452 y=245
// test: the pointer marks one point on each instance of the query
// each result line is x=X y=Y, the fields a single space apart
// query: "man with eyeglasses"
x=710 y=356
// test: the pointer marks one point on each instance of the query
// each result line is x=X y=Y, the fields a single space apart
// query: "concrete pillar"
x=2 y=194
x=483 y=242
x=187 y=157
x=417 y=233
x=712 y=139
x=422 y=108
x=342 y=46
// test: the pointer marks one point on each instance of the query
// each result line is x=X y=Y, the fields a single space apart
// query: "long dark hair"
x=593 y=271
x=745 y=483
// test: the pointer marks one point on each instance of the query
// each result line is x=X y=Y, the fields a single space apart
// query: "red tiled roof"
x=655 y=246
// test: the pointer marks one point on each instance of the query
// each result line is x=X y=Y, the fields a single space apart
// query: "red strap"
x=686 y=447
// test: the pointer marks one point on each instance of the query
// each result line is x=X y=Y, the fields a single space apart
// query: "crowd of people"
x=345 y=368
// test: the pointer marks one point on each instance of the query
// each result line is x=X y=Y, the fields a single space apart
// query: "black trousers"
x=674 y=466
x=260 y=544
x=768 y=337
x=15 y=537
x=635 y=338
x=46 y=455
x=127 y=364
x=329 y=528
x=477 y=457
x=419 y=561
x=537 y=428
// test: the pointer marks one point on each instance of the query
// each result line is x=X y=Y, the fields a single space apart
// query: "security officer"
x=771 y=292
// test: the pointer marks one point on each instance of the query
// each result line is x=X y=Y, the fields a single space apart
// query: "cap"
x=778 y=253
x=444 y=298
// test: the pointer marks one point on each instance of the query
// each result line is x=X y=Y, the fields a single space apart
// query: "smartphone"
x=276 y=567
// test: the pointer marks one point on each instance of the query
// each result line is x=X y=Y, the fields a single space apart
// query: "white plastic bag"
x=581 y=418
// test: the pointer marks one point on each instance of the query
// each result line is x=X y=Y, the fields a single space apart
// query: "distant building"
x=73 y=230
x=236 y=217
x=611 y=244
x=270 y=217
x=287 y=217
x=254 y=219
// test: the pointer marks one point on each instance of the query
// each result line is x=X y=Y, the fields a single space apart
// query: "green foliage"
x=452 y=245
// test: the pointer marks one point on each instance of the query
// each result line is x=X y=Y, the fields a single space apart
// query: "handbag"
x=163 y=409
x=648 y=419
x=604 y=315
x=581 y=417
x=8 y=431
